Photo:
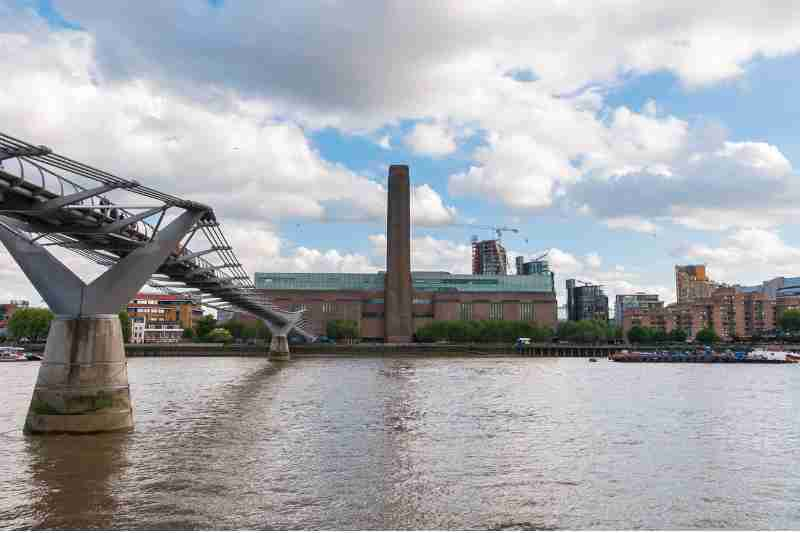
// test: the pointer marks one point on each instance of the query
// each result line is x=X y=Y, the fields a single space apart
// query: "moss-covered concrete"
x=82 y=385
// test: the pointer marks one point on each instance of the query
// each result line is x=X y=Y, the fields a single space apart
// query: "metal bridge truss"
x=138 y=233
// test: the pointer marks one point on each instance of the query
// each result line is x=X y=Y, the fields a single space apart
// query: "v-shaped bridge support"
x=82 y=385
x=68 y=295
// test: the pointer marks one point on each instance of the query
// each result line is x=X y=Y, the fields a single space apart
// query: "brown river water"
x=434 y=443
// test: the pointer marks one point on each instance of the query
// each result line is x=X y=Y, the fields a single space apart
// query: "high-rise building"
x=640 y=300
x=489 y=258
x=586 y=301
x=536 y=267
x=692 y=283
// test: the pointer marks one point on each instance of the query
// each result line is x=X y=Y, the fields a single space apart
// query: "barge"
x=707 y=356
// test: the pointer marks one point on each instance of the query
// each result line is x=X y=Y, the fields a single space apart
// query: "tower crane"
x=499 y=230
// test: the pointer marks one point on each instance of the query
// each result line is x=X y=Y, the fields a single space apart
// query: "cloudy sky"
x=623 y=136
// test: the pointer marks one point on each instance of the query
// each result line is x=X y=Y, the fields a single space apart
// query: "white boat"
x=12 y=354
x=770 y=355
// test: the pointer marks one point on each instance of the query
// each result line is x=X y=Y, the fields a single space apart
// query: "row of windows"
x=465 y=310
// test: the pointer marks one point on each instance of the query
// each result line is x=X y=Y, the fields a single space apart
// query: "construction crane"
x=542 y=256
x=497 y=229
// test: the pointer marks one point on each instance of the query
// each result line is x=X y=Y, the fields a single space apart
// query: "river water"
x=399 y=443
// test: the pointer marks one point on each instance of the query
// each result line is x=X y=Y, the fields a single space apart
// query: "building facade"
x=731 y=313
x=489 y=258
x=692 y=283
x=535 y=267
x=586 y=302
x=640 y=300
x=7 y=310
x=436 y=296
x=158 y=318
x=772 y=288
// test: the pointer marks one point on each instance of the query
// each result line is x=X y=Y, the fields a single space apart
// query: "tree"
x=188 y=333
x=32 y=323
x=707 y=335
x=482 y=331
x=236 y=327
x=638 y=334
x=127 y=329
x=220 y=335
x=262 y=331
x=342 y=329
x=204 y=326
x=790 y=320
x=678 y=335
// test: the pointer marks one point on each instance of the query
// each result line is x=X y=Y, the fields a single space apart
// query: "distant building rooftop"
x=422 y=281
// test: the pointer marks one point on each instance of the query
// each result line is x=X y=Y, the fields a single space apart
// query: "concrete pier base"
x=82 y=385
x=279 y=348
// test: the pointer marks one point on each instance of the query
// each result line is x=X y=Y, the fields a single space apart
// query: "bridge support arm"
x=82 y=385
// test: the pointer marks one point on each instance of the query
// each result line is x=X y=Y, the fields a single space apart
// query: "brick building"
x=6 y=310
x=731 y=313
x=393 y=305
x=163 y=317
x=436 y=296
x=692 y=283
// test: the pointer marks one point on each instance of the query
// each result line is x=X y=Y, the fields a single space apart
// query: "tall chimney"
x=398 y=319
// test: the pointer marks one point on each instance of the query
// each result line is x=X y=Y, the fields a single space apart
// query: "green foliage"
x=644 y=334
x=587 y=331
x=342 y=329
x=188 y=333
x=707 y=336
x=241 y=330
x=790 y=320
x=127 y=328
x=220 y=335
x=482 y=331
x=32 y=323
x=262 y=331
x=204 y=326
x=678 y=335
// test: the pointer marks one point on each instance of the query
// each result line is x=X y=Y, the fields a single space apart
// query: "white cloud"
x=428 y=209
x=593 y=260
x=632 y=223
x=746 y=256
x=431 y=139
x=431 y=254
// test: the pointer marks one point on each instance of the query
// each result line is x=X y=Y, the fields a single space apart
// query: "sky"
x=624 y=137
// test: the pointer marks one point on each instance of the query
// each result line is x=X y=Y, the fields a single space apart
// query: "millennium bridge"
x=140 y=236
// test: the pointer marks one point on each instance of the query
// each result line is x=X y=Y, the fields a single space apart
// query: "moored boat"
x=12 y=354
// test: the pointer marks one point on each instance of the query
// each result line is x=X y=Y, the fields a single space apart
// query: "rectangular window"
x=465 y=311
x=298 y=307
x=328 y=307
x=526 y=311
x=496 y=311
x=421 y=301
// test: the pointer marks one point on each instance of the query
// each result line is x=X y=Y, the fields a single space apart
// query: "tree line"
x=482 y=331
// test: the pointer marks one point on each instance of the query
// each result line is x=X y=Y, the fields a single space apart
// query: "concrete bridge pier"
x=82 y=385
x=279 y=345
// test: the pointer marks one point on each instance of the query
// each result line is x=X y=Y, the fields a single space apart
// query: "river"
x=422 y=443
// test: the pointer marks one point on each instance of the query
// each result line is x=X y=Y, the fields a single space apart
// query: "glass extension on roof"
x=423 y=281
